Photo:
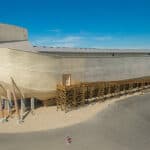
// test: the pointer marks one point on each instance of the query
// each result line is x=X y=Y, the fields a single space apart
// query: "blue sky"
x=81 y=23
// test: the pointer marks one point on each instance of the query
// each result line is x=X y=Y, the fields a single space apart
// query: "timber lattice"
x=72 y=96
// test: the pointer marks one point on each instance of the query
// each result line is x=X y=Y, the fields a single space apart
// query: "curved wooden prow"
x=3 y=97
x=4 y=90
x=14 y=88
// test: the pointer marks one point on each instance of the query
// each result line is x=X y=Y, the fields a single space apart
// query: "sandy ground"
x=124 y=125
x=48 y=118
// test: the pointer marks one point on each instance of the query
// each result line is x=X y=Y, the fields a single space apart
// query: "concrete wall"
x=12 y=33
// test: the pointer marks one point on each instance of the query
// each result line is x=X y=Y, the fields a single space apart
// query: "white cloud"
x=67 y=41
x=71 y=41
x=103 y=38
x=55 y=30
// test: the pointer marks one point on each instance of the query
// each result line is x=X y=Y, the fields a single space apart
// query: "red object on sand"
x=68 y=140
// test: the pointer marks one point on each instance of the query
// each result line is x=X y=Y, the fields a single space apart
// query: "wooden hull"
x=34 y=73
x=38 y=74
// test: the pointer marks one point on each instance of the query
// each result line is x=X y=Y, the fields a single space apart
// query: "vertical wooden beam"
x=14 y=86
x=9 y=102
x=91 y=92
x=16 y=105
x=22 y=108
x=102 y=91
x=74 y=97
x=58 y=97
x=65 y=101
x=32 y=105
x=83 y=95
x=99 y=91
x=110 y=87
x=2 y=110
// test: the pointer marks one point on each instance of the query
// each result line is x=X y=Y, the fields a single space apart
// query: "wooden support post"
x=74 y=97
x=102 y=91
x=5 y=104
x=117 y=90
x=91 y=92
x=22 y=108
x=8 y=108
x=109 y=90
x=14 y=86
x=9 y=102
x=58 y=98
x=105 y=91
x=130 y=87
x=62 y=99
x=83 y=95
x=99 y=91
x=143 y=84
x=65 y=102
x=2 y=110
x=142 y=87
x=32 y=104
x=124 y=88
x=16 y=105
